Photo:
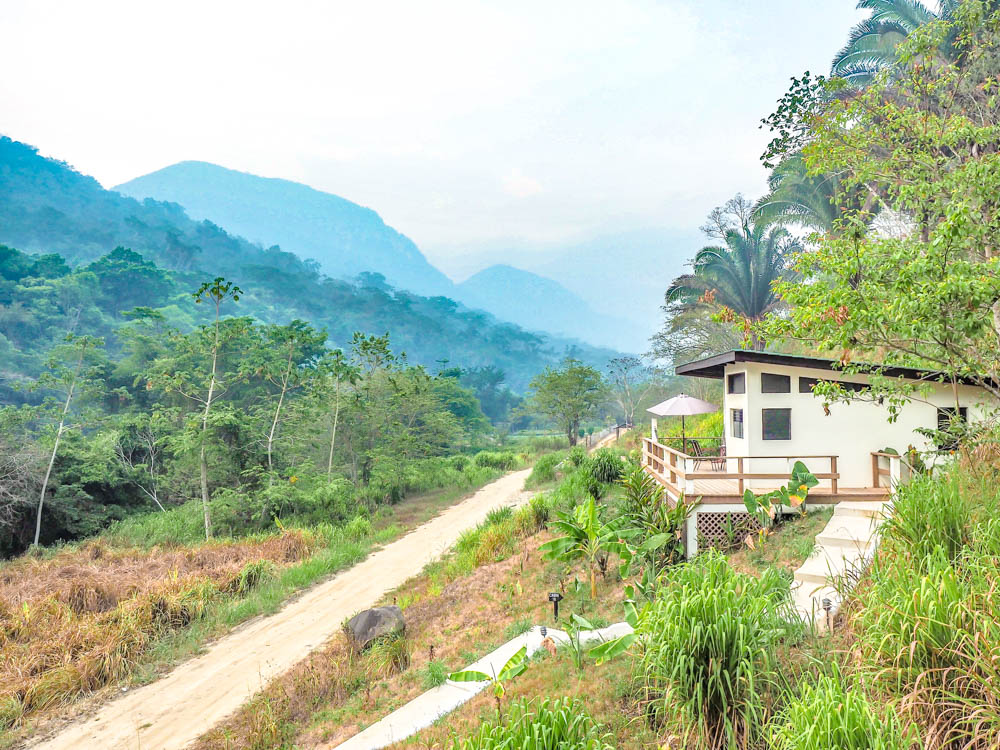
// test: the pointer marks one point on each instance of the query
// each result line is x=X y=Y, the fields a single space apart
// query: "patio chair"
x=719 y=462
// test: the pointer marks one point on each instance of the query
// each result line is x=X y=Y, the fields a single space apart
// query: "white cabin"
x=772 y=419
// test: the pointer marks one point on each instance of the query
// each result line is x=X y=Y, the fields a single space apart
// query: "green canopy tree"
x=75 y=368
x=737 y=278
x=924 y=291
x=192 y=369
x=567 y=395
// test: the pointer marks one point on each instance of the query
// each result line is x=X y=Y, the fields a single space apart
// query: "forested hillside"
x=48 y=208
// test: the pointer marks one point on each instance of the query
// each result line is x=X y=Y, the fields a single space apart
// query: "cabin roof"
x=715 y=366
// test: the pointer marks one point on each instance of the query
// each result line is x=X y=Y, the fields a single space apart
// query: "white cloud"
x=520 y=185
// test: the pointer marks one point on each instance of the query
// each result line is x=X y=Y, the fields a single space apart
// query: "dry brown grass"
x=331 y=695
x=82 y=619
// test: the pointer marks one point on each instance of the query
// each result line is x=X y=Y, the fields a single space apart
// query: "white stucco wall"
x=852 y=431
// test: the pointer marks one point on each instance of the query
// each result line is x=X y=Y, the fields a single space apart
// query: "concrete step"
x=825 y=564
x=854 y=532
x=861 y=508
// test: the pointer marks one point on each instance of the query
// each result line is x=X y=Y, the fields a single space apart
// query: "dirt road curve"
x=173 y=711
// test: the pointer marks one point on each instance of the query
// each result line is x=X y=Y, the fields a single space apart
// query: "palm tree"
x=871 y=46
x=816 y=202
x=740 y=275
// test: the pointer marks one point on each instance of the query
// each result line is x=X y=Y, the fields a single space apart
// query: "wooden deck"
x=722 y=480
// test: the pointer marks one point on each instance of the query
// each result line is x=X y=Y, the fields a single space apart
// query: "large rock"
x=370 y=624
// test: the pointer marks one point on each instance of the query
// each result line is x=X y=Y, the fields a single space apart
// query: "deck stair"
x=843 y=549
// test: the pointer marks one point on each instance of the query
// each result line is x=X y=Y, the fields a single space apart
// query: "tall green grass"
x=928 y=618
x=831 y=714
x=708 y=650
x=558 y=724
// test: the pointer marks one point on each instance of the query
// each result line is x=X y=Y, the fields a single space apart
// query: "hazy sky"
x=462 y=123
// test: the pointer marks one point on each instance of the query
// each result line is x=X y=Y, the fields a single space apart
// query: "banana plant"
x=585 y=537
x=765 y=507
x=514 y=666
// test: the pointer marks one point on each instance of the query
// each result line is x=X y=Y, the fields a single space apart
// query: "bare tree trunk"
x=55 y=448
x=333 y=435
x=204 y=431
x=274 y=422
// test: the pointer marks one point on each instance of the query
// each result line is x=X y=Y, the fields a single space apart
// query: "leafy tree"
x=630 y=380
x=737 y=277
x=923 y=289
x=334 y=374
x=799 y=197
x=871 y=46
x=285 y=358
x=127 y=280
x=568 y=395
x=72 y=371
x=193 y=369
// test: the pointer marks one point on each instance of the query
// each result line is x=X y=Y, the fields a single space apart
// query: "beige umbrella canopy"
x=682 y=406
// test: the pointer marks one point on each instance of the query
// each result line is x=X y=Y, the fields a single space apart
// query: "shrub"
x=709 y=637
x=251 y=576
x=501 y=460
x=558 y=724
x=606 y=466
x=435 y=674
x=499 y=515
x=577 y=455
x=388 y=655
x=830 y=714
x=533 y=517
x=357 y=528
x=544 y=469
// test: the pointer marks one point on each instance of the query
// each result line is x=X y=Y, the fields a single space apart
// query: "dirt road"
x=179 y=707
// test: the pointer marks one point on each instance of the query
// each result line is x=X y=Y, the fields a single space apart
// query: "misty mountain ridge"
x=344 y=238
x=347 y=239
x=537 y=302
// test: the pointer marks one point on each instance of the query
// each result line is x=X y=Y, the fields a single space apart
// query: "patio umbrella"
x=682 y=406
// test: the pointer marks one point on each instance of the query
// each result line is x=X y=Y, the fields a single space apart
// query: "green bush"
x=709 y=649
x=931 y=513
x=533 y=517
x=357 y=528
x=556 y=724
x=830 y=714
x=577 y=455
x=606 y=466
x=544 y=469
x=502 y=460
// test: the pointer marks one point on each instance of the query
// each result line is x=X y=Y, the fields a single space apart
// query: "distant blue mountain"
x=343 y=237
x=537 y=302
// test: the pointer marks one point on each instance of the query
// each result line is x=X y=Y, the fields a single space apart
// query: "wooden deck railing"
x=679 y=471
x=889 y=469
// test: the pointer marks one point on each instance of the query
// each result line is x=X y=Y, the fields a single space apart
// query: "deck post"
x=739 y=470
x=875 y=478
x=833 y=470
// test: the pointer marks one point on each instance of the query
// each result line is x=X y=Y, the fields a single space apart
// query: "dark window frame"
x=734 y=380
x=765 y=417
x=773 y=382
x=734 y=421
x=944 y=416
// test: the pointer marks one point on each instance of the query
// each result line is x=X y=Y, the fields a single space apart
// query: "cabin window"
x=736 y=417
x=771 y=383
x=776 y=424
x=945 y=415
x=737 y=382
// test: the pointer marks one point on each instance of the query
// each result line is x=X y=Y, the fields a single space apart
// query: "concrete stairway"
x=843 y=550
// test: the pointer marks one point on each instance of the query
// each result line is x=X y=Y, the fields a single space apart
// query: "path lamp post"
x=555 y=597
